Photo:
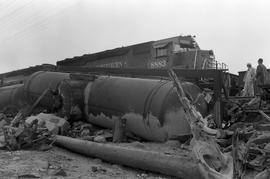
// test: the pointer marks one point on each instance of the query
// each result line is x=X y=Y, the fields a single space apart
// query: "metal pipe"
x=173 y=165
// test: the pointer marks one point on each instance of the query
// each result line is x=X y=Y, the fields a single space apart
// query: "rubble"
x=212 y=162
x=249 y=143
x=263 y=175
x=26 y=136
x=100 y=139
x=18 y=134
x=53 y=123
x=98 y=169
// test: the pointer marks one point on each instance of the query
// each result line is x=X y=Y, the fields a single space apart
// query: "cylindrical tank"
x=151 y=107
x=39 y=82
x=11 y=95
x=69 y=85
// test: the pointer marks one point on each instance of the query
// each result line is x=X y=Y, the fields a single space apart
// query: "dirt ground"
x=59 y=163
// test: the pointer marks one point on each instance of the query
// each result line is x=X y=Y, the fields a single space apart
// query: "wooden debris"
x=236 y=167
x=213 y=163
x=26 y=136
x=20 y=135
x=264 y=115
x=28 y=110
x=119 y=130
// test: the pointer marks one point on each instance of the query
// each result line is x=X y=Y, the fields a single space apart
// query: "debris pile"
x=26 y=136
x=212 y=162
x=246 y=135
x=22 y=132
x=249 y=144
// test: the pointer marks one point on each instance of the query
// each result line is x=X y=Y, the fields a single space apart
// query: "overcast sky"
x=34 y=32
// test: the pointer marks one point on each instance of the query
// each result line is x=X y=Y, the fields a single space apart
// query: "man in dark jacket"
x=261 y=73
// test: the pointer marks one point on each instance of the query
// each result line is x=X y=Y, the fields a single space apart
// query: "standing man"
x=261 y=73
x=249 y=81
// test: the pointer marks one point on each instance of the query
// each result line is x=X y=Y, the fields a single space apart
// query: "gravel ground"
x=59 y=163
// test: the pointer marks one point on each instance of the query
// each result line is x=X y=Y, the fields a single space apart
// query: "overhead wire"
x=15 y=11
x=27 y=19
x=24 y=31
x=11 y=16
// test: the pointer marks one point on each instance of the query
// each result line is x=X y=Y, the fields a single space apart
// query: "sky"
x=34 y=32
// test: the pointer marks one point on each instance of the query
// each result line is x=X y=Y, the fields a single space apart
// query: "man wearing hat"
x=261 y=73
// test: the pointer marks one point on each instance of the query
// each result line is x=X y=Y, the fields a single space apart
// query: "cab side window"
x=161 y=52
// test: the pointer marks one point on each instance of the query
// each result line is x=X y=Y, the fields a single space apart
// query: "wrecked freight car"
x=98 y=95
x=149 y=106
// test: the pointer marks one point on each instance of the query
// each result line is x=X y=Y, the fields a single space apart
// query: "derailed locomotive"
x=150 y=106
x=180 y=51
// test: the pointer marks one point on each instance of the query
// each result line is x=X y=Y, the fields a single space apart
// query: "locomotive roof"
x=137 y=48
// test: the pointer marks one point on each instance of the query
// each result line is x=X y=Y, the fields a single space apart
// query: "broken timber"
x=28 y=111
x=119 y=130
x=264 y=115
x=212 y=162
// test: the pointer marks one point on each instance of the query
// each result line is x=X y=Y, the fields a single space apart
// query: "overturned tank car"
x=150 y=106
x=11 y=96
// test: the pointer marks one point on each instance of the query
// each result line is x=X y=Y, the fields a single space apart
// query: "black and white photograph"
x=134 y=89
